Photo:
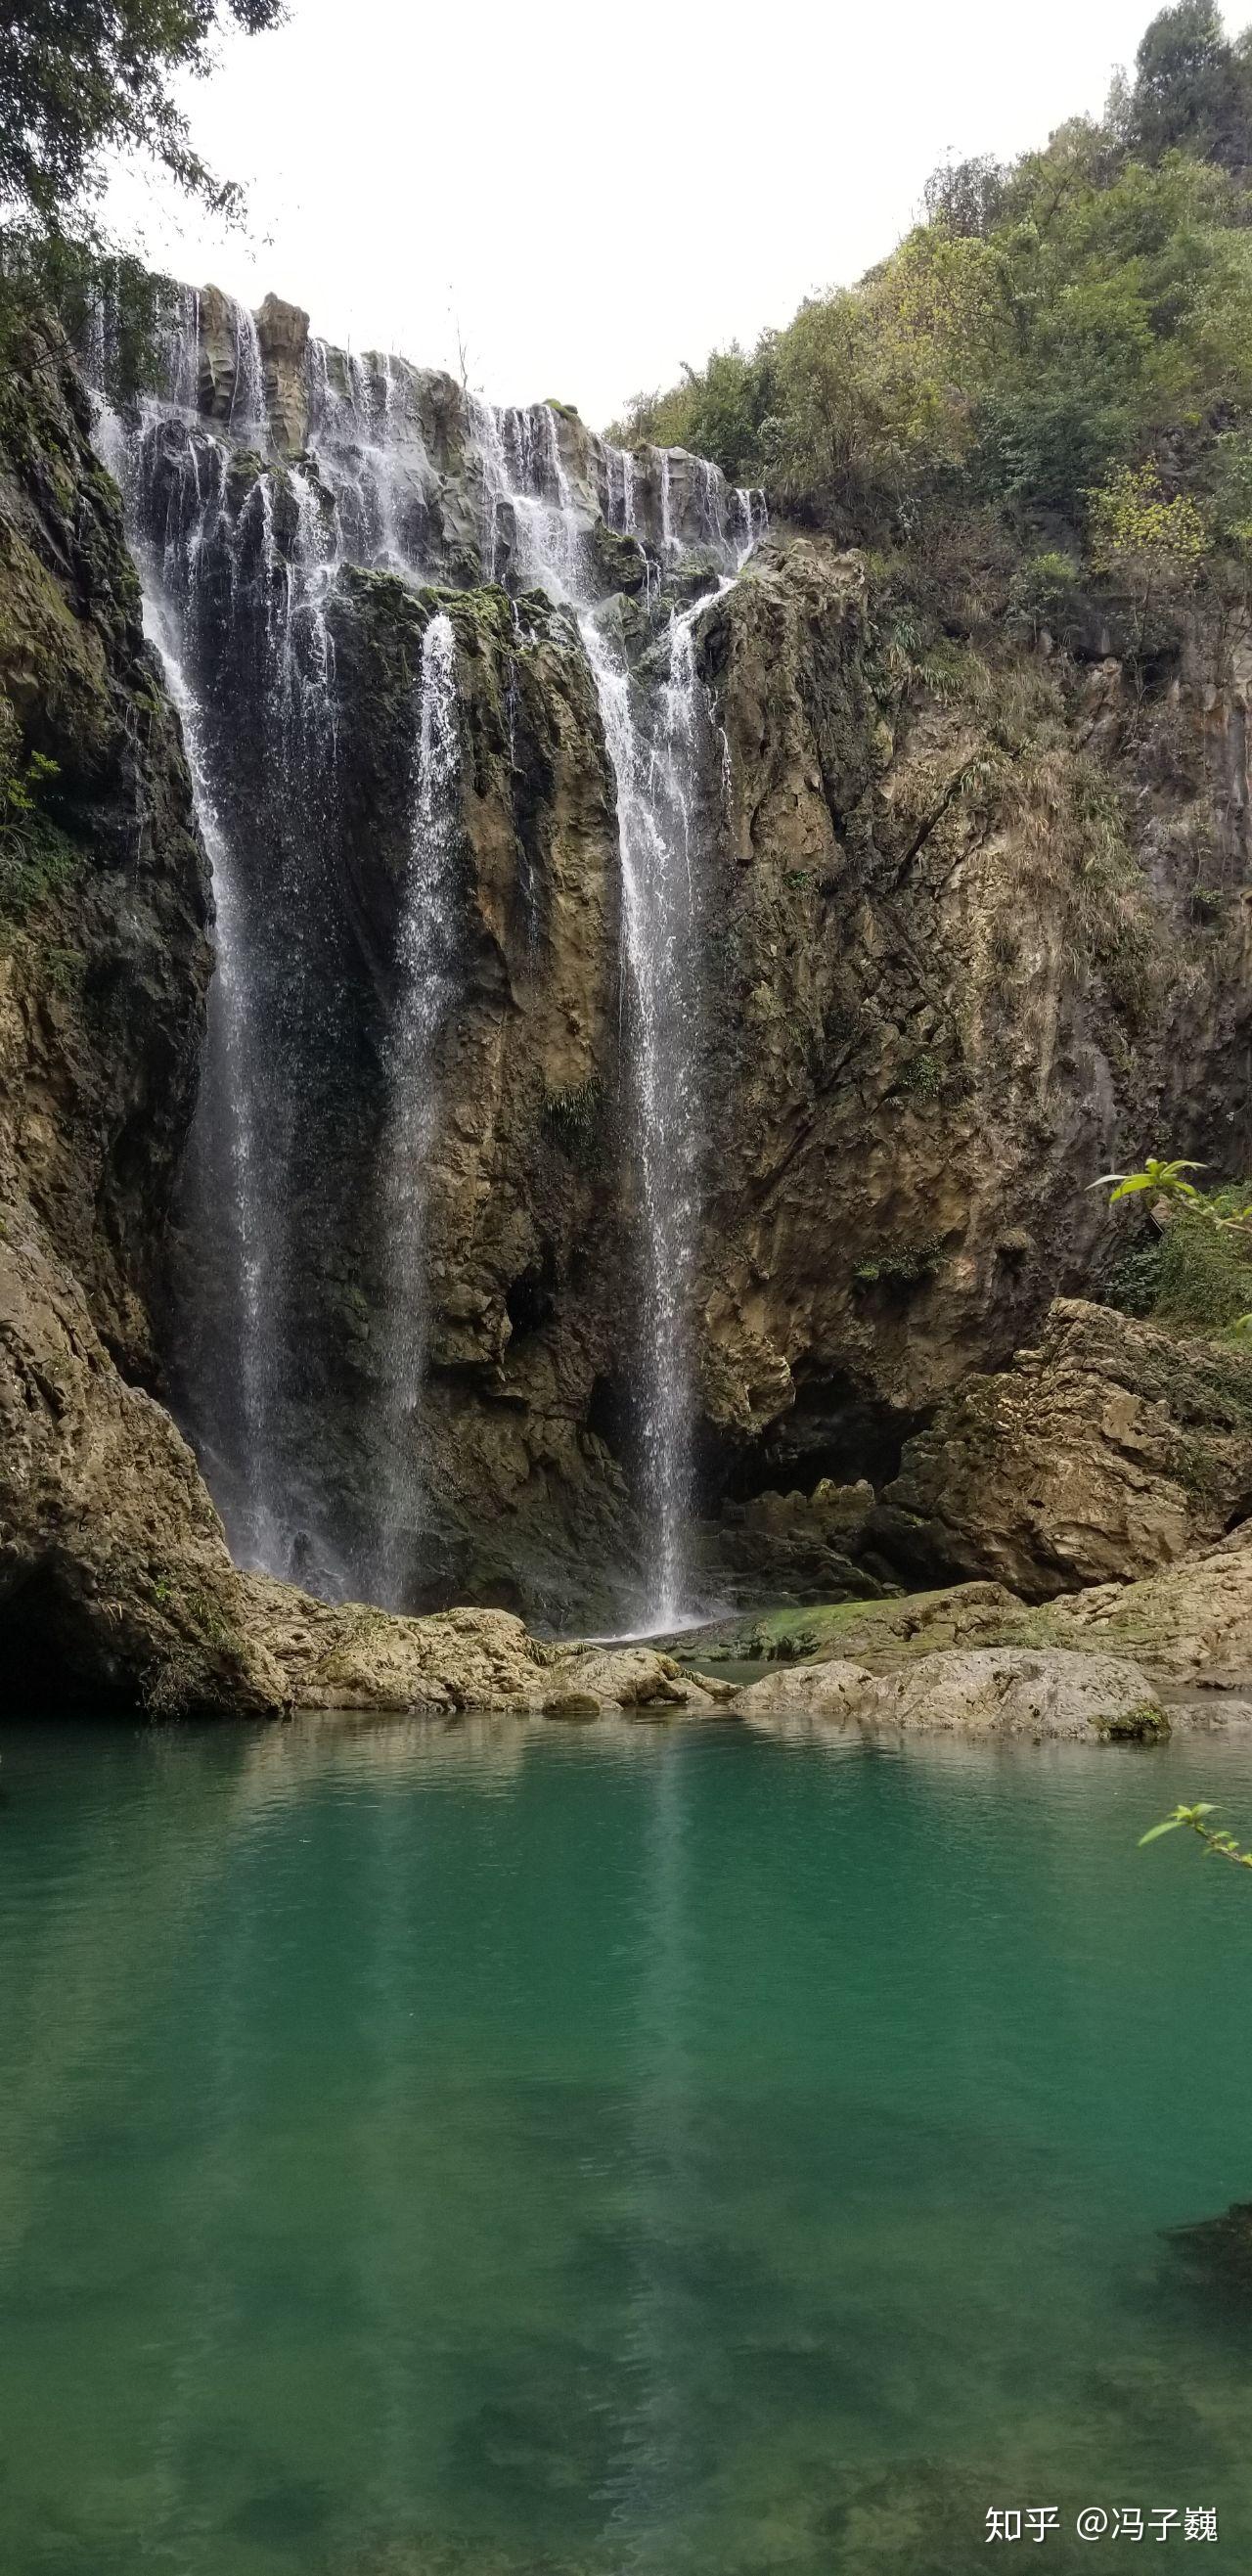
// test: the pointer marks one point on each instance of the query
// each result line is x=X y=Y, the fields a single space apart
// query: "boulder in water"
x=1012 y=1691
x=635 y=1678
x=997 y=1691
x=831 y=1691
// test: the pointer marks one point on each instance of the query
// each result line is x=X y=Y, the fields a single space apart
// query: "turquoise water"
x=631 y=2149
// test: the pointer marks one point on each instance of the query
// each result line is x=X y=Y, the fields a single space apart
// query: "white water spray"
x=428 y=952
x=659 y=739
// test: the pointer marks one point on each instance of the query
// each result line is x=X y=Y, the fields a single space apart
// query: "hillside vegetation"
x=1047 y=387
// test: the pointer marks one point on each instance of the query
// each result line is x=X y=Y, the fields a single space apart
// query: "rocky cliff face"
x=972 y=924
x=951 y=963
x=961 y=969
x=112 y=1561
x=1107 y=1452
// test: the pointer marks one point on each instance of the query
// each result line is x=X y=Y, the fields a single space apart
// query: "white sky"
x=591 y=195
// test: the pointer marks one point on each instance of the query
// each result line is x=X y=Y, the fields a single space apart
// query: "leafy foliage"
x=902 y=1269
x=36 y=859
x=22 y=780
x=1044 y=593
x=1066 y=339
x=1195 y=1820
x=1132 y=522
x=1197 y=1274
x=1205 y=1279
x=1192 y=90
x=1164 y=1179
x=80 y=79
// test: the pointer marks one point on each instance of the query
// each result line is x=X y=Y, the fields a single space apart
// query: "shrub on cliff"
x=1193 y=1270
x=1051 y=327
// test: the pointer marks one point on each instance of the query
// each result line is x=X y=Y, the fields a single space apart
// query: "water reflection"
x=495 y=2147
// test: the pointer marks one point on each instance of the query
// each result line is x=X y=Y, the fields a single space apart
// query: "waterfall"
x=239 y=563
x=656 y=790
x=427 y=962
x=358 y=429
x=659 y=741
x=238 y=618
x=225 y=1164
x=749 y=525
x=234 y=1204
x=180 y=346
x=247 y=417
x=667 y=527
x=246 y=563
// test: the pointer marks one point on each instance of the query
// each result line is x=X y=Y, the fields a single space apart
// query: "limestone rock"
x=116 y=1589
x=1108 y=1449
x=283 y=332
x=115 y=1585
x=218 y=367
x=1007 y=1691
x=628 y=1677
x=917 y=1053
x=999 y=1691
x=833 y=1691
x=350 y=1656
x=105 y=898
x=792 y=1547
x=1193 y=1622
x=878 y=1634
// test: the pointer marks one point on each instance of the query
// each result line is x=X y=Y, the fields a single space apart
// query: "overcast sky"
x=587 y=195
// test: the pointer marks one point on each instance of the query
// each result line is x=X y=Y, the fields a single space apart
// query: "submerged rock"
x=1219 y=2249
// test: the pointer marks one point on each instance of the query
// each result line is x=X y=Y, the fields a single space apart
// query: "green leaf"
x=1170 y=1826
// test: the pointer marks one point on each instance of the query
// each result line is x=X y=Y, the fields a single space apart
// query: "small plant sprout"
x=1194 y=1819
x=1164 y=1178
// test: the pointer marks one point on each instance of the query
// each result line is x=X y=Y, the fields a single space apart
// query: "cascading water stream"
x=655 y=788
x=240 y=562
x=226 y=1131
x=225 y=1165
x=248 y=417
x=658 y=743
x=428 y=955
x=245 y=560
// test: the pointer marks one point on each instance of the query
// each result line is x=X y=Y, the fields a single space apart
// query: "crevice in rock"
x=836 y=1430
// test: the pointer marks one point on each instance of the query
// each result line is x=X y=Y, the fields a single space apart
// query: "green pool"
x=501 y=2150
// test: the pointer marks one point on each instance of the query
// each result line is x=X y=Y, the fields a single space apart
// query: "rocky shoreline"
x=1121 y=1664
